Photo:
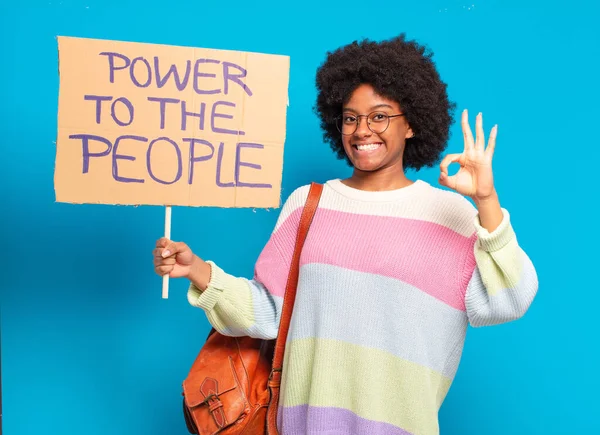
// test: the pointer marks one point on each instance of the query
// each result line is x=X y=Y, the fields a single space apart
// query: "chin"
x=366 y=166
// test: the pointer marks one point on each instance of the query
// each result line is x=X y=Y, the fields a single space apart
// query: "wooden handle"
x=165 y=283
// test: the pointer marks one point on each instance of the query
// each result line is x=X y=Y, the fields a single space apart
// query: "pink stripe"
x=271 y=270
x=272 y=266
x=425 y=255
x=470 y=265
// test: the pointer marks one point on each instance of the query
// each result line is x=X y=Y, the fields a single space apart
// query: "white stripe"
x=424 y=202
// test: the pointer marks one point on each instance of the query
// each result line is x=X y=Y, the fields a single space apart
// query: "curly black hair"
x=400 y=70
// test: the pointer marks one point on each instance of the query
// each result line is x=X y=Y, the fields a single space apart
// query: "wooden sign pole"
x=165 y=286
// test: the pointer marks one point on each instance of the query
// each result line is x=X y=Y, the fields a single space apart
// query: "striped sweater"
x=389 y=282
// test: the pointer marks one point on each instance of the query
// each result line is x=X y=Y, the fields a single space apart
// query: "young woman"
x=393 y=270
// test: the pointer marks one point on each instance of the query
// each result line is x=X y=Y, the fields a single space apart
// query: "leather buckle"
x=209 y=398
x=273 y=372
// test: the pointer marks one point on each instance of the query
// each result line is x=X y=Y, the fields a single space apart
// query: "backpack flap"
x=213 y=396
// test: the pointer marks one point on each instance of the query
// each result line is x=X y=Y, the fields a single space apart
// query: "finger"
x=169 y=261
x=448 y=160
x=162 y=242
x=163 y=270
x=479 y=134
x=467 y=133
x=448 y=181
x=159 y=253
x=173 y=248
x=492 y=141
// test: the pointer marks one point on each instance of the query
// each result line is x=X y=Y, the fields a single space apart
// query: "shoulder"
x=455 y=201
x=293 y=204
x=450 y=209
x=298 y=197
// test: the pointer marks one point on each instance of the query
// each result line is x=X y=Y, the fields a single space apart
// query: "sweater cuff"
x=498 y=238
x=208 y=298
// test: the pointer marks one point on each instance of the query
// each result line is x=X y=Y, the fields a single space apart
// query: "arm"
x=503 y=281
x=238 y=306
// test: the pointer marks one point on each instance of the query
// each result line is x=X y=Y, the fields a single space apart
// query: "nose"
x=362 y=129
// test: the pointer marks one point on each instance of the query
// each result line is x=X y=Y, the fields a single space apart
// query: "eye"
x=349 y=119
x=378 y=117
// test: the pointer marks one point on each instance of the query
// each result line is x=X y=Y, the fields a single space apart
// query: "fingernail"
x=166 y=253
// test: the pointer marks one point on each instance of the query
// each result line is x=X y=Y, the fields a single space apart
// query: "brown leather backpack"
x=233 y=385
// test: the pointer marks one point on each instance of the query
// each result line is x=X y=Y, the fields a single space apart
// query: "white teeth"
x=368 y=147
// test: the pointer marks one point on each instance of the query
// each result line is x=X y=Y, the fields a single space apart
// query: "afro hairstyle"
x=397 y=69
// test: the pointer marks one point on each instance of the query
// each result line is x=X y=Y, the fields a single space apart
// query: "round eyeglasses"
x=377 y=122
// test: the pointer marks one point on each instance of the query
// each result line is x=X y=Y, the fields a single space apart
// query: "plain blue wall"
x=88 y=345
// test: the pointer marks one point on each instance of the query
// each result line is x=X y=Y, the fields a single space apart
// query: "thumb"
x=448 y=181
x=170 y=248
x=164 y=243
x=173 y=248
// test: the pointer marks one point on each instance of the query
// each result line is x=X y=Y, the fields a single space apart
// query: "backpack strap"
x=306 y=218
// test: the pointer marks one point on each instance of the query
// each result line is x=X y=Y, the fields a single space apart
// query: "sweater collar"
x=375 y=196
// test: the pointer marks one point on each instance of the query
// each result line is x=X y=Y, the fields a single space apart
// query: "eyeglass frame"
x=368 y=124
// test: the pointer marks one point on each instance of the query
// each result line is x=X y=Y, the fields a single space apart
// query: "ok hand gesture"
x=474 y=178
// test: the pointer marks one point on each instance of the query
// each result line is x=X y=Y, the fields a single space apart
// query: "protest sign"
x=166 y=125
x=149 y=124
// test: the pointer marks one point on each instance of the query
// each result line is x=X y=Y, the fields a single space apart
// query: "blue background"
x=88 y=344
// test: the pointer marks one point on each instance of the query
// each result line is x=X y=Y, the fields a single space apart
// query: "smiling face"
x=369 y=151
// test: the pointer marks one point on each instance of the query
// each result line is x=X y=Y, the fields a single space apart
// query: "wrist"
x=200 y=273
x=487 y=199
x=490 y=212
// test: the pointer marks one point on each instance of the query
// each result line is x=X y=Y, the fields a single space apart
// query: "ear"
x=409 y=133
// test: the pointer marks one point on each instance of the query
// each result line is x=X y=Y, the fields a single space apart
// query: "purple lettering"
x=234 y=77
x=163 y=106
x=98 y=99
x=181 y=84
x=185 y=114
x=238 y=163
x=219 y=165
x=148 y=160
x=113 y=113
x=111 y=63
x=148 y=71
x=214 y=115
x=194 y=158
x=198 y=74
x=85 y=143
x=115 y=157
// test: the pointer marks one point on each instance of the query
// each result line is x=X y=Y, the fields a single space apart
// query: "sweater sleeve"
x=237 y=306
x=502 y=279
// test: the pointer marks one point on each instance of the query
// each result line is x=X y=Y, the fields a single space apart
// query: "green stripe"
x=372 y=383
x=227 y=301
x=500 y=269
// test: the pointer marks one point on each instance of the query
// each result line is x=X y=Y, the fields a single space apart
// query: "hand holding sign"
x=172 y=258
x=176 y=260
x=165 y=125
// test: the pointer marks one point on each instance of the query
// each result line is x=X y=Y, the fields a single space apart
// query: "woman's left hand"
x=475 y=177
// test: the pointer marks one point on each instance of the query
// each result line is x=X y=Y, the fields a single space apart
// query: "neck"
x=383 y=179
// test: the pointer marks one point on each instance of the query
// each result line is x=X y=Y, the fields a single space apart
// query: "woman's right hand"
x=177 y=260
x=172 y=258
